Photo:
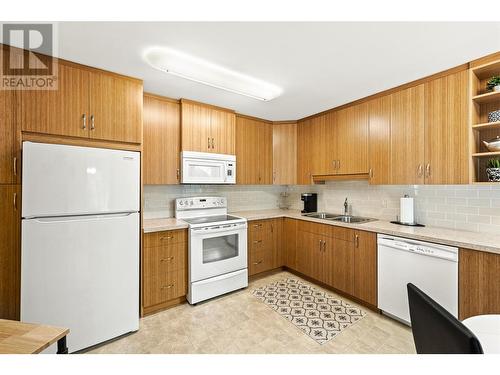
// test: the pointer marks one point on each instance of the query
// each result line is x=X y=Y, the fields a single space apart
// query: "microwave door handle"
x=225 y=171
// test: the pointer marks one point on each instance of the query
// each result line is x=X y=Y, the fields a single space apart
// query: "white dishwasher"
x=431 y=267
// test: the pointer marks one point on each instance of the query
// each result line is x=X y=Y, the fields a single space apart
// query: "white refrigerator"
x=80 y=241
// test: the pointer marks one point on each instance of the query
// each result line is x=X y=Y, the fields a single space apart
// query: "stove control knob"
x=181 y=203
x=190 y=203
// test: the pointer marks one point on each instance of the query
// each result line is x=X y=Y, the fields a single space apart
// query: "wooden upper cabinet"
x=351 y=136
x=10 y=254
x=8 y=159
x=195 y=127
x=446 y=130
x=207 y=129
x=322 y=144
x=379 y=110
x=285 y=153
x=162 y=134
x=304 y=171
x=87 y=103
x=254 y=151
x=222 y=126
x=407 y=136
x=65 y=111
x=115 y=108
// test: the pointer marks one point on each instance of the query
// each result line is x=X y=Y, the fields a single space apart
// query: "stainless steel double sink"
x=339 y=218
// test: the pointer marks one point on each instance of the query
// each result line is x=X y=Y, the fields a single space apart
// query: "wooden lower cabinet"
x=10 y=254
x=164 y=269
x=478 y=283
x=342 y=258
x=264 y=245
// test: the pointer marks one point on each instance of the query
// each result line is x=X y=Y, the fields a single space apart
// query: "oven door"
x=217 y=250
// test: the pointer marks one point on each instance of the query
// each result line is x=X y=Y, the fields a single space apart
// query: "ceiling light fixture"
x=195 y=69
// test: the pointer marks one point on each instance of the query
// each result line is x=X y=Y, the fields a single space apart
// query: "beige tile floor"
x=240 y=323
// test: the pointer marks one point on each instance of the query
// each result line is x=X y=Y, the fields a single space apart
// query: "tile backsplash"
x=463 y=207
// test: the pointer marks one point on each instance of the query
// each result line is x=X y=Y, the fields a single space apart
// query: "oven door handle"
x=221 y=229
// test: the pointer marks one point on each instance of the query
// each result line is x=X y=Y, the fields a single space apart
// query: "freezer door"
x=69 y=180
x=82 y=273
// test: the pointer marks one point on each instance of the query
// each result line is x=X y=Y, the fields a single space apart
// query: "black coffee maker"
x=310 y=202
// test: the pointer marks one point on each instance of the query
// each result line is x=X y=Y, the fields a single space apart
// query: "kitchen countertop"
x=471 y=240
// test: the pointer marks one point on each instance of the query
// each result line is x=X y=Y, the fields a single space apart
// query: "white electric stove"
x=217 y=247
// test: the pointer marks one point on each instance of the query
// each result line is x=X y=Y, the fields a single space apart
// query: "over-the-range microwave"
x=207 y=168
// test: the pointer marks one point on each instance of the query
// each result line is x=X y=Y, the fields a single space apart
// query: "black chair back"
x=435 y=330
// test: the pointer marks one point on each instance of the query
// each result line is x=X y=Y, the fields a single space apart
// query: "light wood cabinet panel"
x=61 y=111
x=478 y=283
x=365 y=267
x=8 y=158
x=285 y=153
x=343 y=266
x=446 y=130
x=264 y=245
x=164 y=268
x=407 y=136
x=222 y=128
x=195 y=127
x=253 y=151
x=265 y=155
x=115 y=108
x=305 y=246
x=161 y=144
x=380 y=140
x=10 y=252
x=351 y=134
x=290 y=242
x=323 y=144
x=304 y=142
x=205 y=128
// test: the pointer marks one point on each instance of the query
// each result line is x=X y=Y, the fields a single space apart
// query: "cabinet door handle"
x=14 y=167
x=84 y=121
x=208 y=140
x=92 y=122
x=257 y=263
x=178 y=174
x=370 y=173
x=428 y=170
x=274 y=176
x=168 y=259
x=166 y=238
x=15 y=201
x=213 y=144
x=257 y=225
x=167 y=286
x=257 y=241
x=356 y=240
x=420 y=170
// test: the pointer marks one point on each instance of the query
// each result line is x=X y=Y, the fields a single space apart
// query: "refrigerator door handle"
x=65 y=219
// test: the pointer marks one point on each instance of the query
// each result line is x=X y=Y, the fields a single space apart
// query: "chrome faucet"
x=346 y=208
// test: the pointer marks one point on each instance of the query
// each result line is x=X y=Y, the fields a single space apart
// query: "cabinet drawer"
x=173 y=284
x=259 y=227
x=260 y=243
x=165 y=237
x=172 y=257
x=260 y=261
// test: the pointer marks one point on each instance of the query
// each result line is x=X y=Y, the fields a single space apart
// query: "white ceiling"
x=318 y=65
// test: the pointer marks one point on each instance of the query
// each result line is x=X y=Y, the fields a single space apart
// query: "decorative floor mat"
x=317 y=314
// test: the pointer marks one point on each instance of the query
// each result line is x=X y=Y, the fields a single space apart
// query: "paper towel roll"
x=406 y=210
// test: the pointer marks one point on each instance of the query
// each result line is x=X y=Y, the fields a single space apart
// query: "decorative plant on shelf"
x=493 y=83
x=493 y=170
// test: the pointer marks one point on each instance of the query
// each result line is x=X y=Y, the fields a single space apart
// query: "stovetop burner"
x=211 y=219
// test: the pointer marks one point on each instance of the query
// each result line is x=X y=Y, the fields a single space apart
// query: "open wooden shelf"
x=487 y=126
x=487 y=98
x=486 y=154
x=487 y=70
